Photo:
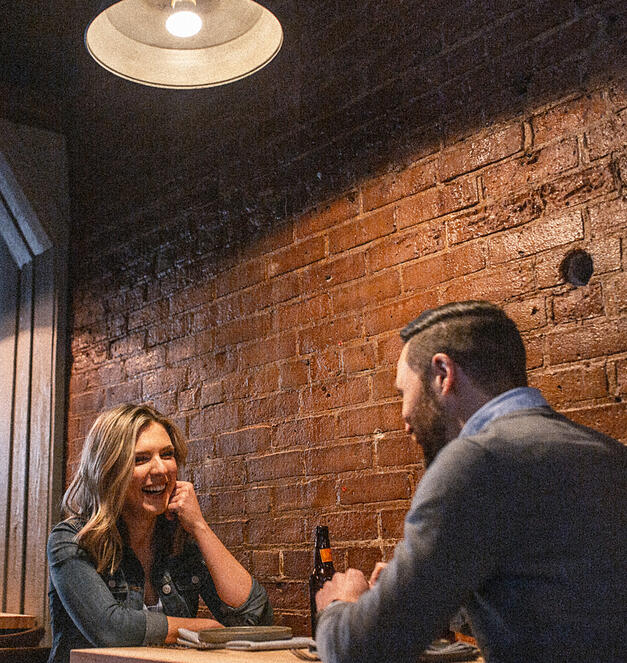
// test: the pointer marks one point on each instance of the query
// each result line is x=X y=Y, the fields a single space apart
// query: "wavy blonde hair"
x=97 y=492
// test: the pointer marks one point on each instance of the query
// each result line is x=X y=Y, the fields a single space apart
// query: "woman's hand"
x=184 y=504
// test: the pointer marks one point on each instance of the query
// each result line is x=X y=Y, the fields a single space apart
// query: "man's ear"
x=443 y=373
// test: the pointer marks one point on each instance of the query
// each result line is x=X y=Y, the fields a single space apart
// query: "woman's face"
x=154 y=474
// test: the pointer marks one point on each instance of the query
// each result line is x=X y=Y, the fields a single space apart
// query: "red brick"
x=210 y=394
x=615 y=295
x=167 y=379
x=607 y=136
x=578 y=303
x=570 y=118
x=276 y=531
x=347 y=526
x=288 y=595
x=375 y=488
x=298 y=622
x=296 y=255
x=146 y=361
x=609 y=218
x=183 y=349
x=383 y=384
x=496 y=285
x=434 y=270
x=362 y=230
x=621 y=376
x=259 y=500
x=327 y=365
x=192 y=297
x=399 y=313
x=480 y=151
x=218 y=472
x=422 y=239
x=369 y=420
x=91 y=401
x=437 y=201
x=392 y=523
x=367 y=292
x=530 y=313
x=267 y=350
x=224 y=504
x=275 y=466
x=297 y=563
x=128 y=345
x=327 y=215
x=215 y=419
x=584 y=342
x=329 y=333
x=393 y=186
x=327 y=396
x=389 y=347
x=241 y=276
x=230 y=533
x=316 y=494
x=571 y=385
x=127 y=392
x=577 y=188
x=302 y=314
x=338 y=458
x=269 y=408
x=247 y=440
x=273 y=238
x=168 y=329
x=294 y=373
x=304 y=432
x=536 y=168
x=269 y=293
x=610 y=419
x=358 y=358
x=246 y=329
x=544 y=234
x=398 y=450
x=534 y=345
x=333 y=272
x=265 y=563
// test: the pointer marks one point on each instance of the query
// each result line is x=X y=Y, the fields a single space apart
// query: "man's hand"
x=374 y=576
x=347 y=586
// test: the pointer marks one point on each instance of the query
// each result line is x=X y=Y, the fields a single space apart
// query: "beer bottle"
x=323 y=570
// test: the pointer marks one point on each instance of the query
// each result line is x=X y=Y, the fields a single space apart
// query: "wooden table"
x=177 y=655
x=174 y=655
x=9 y=620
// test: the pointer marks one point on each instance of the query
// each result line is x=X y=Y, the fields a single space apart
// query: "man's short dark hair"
x=478 y=336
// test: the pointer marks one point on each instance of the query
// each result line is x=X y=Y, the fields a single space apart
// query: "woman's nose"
x=158 y=465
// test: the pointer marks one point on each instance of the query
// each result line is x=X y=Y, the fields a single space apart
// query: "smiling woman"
x=134 y=554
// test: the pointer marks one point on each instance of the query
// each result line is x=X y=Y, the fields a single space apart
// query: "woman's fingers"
x=376 y=572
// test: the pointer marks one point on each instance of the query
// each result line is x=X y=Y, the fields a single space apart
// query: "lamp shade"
x=236 y=39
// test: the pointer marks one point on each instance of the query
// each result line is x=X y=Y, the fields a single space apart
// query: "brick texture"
x=260 y=303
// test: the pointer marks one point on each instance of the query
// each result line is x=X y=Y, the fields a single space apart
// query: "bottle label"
x=325 y=555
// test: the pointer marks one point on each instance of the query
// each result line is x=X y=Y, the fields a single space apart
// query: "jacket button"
x=195 y=580
x=111 y=583
x=166 y=589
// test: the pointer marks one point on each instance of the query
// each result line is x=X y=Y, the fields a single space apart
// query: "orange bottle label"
x=325 y=555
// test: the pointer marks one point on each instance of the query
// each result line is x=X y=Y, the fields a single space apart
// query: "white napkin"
x=249 y=645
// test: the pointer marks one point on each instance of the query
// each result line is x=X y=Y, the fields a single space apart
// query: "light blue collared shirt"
x=520 y=398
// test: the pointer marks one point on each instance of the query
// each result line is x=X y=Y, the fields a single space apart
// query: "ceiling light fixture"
x=183 y=43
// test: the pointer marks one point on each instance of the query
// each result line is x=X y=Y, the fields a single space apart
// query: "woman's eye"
x=168 y=454
x=140 y=459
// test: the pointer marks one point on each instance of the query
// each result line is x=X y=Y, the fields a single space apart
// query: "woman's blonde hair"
x=98 y=490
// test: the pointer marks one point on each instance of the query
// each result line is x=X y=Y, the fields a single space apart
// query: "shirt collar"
x=521 y=398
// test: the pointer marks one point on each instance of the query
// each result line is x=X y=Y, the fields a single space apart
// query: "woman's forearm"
x=193 y=624
x=232 y=582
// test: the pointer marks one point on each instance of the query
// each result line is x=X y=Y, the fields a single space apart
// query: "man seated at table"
x=520 y=516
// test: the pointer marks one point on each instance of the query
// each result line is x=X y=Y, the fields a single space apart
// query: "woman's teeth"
x=153 y=490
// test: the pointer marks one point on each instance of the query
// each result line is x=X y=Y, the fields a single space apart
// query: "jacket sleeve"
x=89 y=602
x=450 y=547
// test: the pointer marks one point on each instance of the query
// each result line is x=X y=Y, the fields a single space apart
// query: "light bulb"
x=183 y=24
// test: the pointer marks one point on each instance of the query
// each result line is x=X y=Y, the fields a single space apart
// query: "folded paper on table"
x=194 y=639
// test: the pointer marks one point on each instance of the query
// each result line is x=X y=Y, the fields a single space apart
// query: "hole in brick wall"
x=577 y=267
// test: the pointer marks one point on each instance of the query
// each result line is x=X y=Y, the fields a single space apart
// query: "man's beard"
x=428 y=424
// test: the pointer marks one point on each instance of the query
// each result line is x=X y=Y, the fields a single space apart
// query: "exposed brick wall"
x=276 y=356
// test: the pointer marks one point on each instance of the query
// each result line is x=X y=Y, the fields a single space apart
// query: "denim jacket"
x=88 y=609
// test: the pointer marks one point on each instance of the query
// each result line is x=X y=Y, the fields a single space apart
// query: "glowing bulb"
x=183 y=24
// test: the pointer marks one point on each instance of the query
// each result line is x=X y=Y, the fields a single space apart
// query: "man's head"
x=456 y=357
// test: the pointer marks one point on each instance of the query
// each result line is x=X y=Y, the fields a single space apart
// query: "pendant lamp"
x=183 y=44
